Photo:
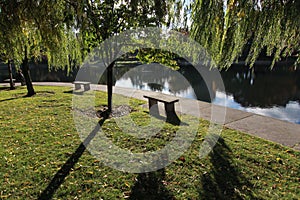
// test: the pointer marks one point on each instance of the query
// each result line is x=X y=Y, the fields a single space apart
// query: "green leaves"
x=225 y=30
x=158 y=56
x=40 y=27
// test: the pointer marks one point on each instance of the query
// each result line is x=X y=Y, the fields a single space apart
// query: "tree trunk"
x=26 y=73
x=109 y=86
x=11 y=82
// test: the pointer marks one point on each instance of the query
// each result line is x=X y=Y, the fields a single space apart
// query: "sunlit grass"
x=38 y=137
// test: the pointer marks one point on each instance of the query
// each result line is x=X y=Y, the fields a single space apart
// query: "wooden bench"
x=86 y=85
x=169 y=103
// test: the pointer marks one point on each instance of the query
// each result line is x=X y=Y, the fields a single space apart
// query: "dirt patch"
x=117 y=111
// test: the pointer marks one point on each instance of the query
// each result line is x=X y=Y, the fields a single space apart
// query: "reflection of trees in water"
x=198 y=84
x=93 y=74
x=177 y=84
x=250 y=88
x=154 y=75
x=262 y=89
x=157 y=77
x=155 y=86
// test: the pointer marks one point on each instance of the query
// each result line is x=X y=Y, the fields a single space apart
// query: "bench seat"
x=162 y=98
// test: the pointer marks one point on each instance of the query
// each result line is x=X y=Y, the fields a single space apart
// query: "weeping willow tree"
x=33 y=29
x=98 y=20
x=225 y=28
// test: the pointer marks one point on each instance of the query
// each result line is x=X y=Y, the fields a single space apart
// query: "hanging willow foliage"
x=226 y=28
x=35 y=29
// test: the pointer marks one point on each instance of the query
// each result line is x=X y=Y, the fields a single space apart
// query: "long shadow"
x=224 y=181
x=4 y=88
x=173 y=121
x=9 y=99
x=64 y=171
x=14 y=98
x=74 y=92
x=68 y=92
x=150 y=186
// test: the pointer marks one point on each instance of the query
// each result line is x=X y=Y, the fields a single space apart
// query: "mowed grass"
x=42 y=157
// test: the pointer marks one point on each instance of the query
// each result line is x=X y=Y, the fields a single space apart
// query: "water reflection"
x=154 y=77
x=262 y=89
x=186 y=82
x=290 y=112
x=271 y=93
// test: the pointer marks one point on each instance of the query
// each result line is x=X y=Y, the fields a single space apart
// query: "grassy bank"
x=42 y=156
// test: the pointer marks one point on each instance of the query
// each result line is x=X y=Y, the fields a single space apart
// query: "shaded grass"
x=40 y=148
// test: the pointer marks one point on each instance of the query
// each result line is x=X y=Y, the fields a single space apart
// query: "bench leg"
x=77 y=86
x=87 y=87
x=171 y=114
x=153 y=107
x=169 y=107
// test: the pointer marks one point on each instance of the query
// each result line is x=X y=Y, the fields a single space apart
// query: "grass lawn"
x=42 y=157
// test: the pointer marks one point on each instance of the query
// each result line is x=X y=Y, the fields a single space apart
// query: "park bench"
x=86 y=85
x=169 y=103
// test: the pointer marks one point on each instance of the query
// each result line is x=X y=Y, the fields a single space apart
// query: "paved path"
x=268 y=128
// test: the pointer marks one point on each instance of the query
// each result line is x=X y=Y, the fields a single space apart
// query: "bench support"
x=77 y=86
x=86 y=87
x=171 y=114
x=169 y=107
x=153 y=107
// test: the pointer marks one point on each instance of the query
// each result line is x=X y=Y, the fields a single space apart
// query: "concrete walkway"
x=282 y=132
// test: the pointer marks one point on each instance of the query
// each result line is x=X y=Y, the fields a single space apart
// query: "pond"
x=274 y=93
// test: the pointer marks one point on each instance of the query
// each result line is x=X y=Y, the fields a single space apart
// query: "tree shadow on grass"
x=74 y=92
x=5 y=88
x=9 y=99
x=150 y=186
x=14 y=98
x=64 y=171
x=224 y=181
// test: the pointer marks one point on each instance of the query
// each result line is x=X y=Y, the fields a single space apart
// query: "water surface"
x=273 y=93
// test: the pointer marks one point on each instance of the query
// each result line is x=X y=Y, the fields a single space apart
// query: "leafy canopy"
x=225 y=28
x=37 y=28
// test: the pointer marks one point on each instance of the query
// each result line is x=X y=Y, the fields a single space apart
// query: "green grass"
x=42 y=156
